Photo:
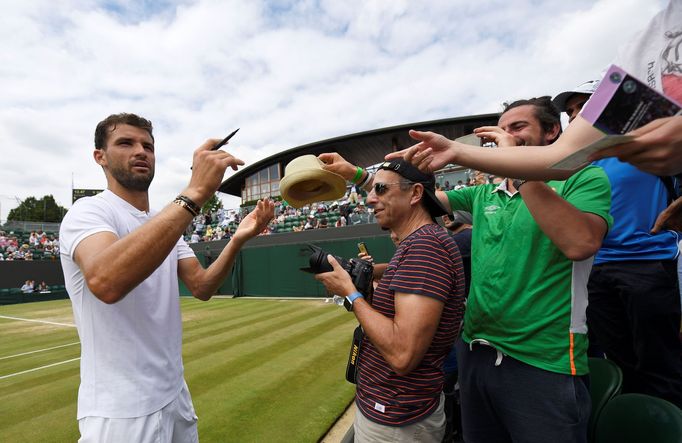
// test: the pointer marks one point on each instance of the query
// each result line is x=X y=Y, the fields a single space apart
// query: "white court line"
x=39 y=321
x=39 y=350
x=37 y=369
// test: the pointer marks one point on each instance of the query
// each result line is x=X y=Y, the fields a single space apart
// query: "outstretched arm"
x=203 y=283
x=435 y=151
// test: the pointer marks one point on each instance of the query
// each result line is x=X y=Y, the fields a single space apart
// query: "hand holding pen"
x=222 y=143
x=208 y=168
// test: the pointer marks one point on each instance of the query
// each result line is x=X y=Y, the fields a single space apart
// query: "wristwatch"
x=517 y=183
x=348 y=301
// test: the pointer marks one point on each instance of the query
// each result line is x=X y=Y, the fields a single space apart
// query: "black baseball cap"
x=410 y=172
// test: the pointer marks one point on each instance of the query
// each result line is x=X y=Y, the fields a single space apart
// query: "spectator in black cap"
x=415 y=313
x=572 y=102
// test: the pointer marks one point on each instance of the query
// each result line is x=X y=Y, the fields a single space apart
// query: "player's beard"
x=130 y=180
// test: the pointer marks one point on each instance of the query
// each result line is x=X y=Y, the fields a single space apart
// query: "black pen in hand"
x=223 y=142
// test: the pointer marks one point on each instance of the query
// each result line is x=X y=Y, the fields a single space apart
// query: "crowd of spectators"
x=214 y=226
x=36 y=245
x=473 y=180
x=222 y=223
x=30 y=286
x=347 y=211
x=323 y=215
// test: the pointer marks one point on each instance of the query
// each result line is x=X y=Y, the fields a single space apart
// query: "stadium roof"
x=362 y=148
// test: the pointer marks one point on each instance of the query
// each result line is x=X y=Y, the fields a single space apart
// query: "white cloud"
x=286 y=72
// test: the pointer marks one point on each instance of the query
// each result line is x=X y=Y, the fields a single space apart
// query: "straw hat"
x=305 y=182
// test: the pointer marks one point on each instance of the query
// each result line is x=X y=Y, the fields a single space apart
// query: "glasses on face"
x=381 y=188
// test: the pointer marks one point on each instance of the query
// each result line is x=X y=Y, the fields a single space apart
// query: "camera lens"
x=318 y=261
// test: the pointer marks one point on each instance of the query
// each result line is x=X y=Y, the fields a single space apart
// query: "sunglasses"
x=381 y=188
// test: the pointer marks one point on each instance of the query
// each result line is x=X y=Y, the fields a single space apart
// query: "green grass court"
x=258 y=370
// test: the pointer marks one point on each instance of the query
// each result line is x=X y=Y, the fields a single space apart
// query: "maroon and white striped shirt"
x=426 y=263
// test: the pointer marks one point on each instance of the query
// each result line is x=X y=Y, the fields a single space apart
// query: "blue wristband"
x=355 y=295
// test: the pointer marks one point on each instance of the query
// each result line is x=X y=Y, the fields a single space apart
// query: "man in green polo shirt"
x=524 y=342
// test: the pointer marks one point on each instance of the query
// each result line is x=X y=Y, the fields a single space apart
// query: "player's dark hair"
x=106 y=126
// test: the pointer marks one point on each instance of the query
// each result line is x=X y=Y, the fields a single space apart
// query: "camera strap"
x=356 y=346
x=354 y=355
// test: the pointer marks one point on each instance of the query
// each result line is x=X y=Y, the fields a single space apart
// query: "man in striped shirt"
x=415 y=314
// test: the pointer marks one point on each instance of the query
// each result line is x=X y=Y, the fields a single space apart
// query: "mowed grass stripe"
x=47 y=387
x=193 y=309
x=20 y=329
x=59 y=425
x=34 y=341
x=191 y=305
x=22 y=336
x=21 y=354
x=297 y=408
x=225 y=315
x=41 y=379
x=267 y=354
x=297 y=392
x=18 y=338
x=227 y=320
x=251 y=355
x=44 y=407
x=312 y=391
x=26 y=362
x=253 y=333
x=268 y=369
x=56 y=310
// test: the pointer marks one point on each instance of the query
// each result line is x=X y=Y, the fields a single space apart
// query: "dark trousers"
x=516 y=402
x=634 y=316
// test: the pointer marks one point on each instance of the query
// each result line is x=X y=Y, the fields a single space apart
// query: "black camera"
x=360 y=270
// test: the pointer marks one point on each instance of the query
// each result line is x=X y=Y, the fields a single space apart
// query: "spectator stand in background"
x=287 y=219
x=28 y=245
x=337 y=214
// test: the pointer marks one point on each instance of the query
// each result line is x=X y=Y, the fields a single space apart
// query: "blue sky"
x=287 y=73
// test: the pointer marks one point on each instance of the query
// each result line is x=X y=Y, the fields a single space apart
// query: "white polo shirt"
x=131 y=351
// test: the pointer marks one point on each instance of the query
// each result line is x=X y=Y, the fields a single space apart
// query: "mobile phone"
x=362 y=247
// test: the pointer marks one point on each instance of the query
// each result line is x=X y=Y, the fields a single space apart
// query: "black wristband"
x=183 y=204
x=363 y=182
x=195 y=207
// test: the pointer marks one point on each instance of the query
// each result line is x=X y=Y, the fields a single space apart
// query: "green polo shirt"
x=526 y=298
